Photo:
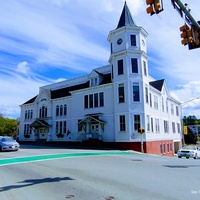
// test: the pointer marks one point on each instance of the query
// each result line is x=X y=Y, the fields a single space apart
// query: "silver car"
x=189 y=152
x=8 y=144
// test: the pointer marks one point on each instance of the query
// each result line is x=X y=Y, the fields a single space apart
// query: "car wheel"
x=187 y=157
x=195 y=157
x=179 y=156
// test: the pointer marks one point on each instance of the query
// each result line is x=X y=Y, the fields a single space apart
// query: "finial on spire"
x=126 y=18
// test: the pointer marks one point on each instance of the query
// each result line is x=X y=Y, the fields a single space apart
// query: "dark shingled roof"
x=126 y=18
x=63 y=92
x=30 y=100
x=157 y=84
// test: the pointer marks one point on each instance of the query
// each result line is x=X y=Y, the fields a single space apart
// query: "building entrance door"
x=94 y=130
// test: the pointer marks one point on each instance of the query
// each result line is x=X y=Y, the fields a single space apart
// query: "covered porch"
x=40 y=128
x=91 y=127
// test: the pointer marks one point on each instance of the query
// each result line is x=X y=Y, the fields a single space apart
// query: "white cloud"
x=40 y=35
x=23 y=67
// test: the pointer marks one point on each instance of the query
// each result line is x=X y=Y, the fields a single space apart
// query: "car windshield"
x=7 y=139
x=189 y=147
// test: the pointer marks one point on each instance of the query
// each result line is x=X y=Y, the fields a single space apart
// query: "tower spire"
x=125 y=18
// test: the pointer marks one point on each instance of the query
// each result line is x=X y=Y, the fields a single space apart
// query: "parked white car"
x=8 y=144
x=189 y=152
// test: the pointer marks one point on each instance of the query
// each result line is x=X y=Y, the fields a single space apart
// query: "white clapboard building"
x=109 y=104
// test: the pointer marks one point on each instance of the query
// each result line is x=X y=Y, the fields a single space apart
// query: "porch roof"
x=91 y=119
x=39 y=123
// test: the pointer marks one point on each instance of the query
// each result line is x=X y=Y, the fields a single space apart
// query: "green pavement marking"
x=10 y=161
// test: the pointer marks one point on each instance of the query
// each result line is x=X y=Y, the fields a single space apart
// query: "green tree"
x=190 y=120
x=8 y=126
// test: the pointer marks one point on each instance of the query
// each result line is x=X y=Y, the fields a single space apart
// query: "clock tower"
x=127 y=41
x=128 y=59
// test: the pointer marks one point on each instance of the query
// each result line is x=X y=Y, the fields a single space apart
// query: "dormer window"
x=94 y=82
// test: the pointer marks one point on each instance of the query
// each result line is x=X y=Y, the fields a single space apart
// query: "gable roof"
x=64 y=92
x=30 y=100
x=125 y=18
x=157 y=84
x=39 y=123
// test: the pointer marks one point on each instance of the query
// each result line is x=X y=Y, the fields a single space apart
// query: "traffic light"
x=196 y=39
x=186 y=34
x=141 y=130
x=150 y=9
x=155 y=6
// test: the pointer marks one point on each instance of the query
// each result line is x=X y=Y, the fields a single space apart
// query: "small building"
x=110 y=103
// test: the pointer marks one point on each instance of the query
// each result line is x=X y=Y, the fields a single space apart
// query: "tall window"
x=178 y=128
x=57 y=126
x=122 y=123
x=152 y=130
x=134 y=65
x=121 y=93
x=146 y=95
x=96 y=100
x=31 y=114
x=177 y=111
x=91 y=100
x=157 y=124
x=173 y=127
x=148 y=123
x=86 y=101
x=57 y=110
x=163 y=108
x=145 y=67
x=65 y=109
x=61 y=110
x=166 y=126
x=172 y=109
x=101 y=99
x=60 y=127
x=120 y=66
x=155 y=102
x=150 y=99
x=137 y=122
x=136 y=92
x=167 y=106
x=161 y=149
x=65 y=127
x=133 y=40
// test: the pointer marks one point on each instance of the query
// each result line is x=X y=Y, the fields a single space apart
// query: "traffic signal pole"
x=182 y=8
x=190 y=30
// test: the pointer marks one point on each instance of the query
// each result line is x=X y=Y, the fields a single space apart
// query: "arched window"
x=31 y=114
x=61 y=110
x=26 y=114
x=57 y=110
x=65 y=109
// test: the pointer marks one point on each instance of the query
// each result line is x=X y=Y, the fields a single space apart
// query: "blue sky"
x=45 y=41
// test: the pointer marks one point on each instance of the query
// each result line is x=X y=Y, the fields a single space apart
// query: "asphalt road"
x=80 y=174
